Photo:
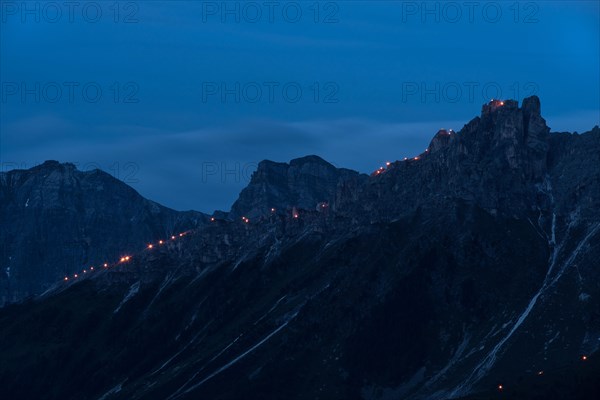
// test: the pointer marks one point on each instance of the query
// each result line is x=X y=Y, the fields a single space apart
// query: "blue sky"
x=182 y=99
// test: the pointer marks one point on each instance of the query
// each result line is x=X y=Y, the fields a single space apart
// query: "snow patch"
x=192 y=341
x=591 y=342
x=584 y=297
x=168 y=279
x=270 y=310
x=488 y=361
x=112 y=391
x=458 y=355
x=374 y=392
x=549 y=342
x=232 y=362
x=133 y=290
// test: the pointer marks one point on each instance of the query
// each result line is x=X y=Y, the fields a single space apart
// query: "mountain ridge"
x=471 y=265
x=56 y=220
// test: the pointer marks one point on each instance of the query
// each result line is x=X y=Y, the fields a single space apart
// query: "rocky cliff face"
x=471 y=265
x=494 y=161
x=304 y=183
x=56 y=220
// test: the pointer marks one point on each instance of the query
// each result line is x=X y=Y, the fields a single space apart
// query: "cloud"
x=206 y=168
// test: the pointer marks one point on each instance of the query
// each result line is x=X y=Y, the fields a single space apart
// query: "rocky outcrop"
x=495 y=161
x=303 y=183
x=574 y=173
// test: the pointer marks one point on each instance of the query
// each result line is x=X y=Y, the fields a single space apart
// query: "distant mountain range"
x=470 y=270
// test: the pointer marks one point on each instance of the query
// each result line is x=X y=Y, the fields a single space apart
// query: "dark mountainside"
x=56 y=219
x=472 y=265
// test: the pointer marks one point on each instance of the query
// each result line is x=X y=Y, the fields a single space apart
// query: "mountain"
x=304 y=183
x=56 y=220
x=469 y=271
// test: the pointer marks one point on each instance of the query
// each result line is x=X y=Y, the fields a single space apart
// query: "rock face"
x=303 y=183
x=56 y=220
x=494 y=161
x=471 y=265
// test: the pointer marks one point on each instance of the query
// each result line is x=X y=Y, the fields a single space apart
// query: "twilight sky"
x=182 y=99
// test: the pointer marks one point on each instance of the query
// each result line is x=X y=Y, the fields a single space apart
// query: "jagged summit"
x=52 y=163
x=531 y=106
x=310 y=159
x=49 y=167
x=303 y=183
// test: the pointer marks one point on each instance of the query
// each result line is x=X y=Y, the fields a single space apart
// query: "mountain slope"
x=472 y=265
x=56 y=220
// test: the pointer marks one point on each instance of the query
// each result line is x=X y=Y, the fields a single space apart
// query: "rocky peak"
x=487 y=110
x=512 y=136
x=310 y=159
x=441 y=140
x=56 y=218
x=303 y=183
x=493 y=161
x=536 y=130
x=527 y=120
x=531 y=105
x=50 y=166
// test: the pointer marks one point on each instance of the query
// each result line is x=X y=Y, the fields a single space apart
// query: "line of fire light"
x=122 y=260
x=150 y=246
